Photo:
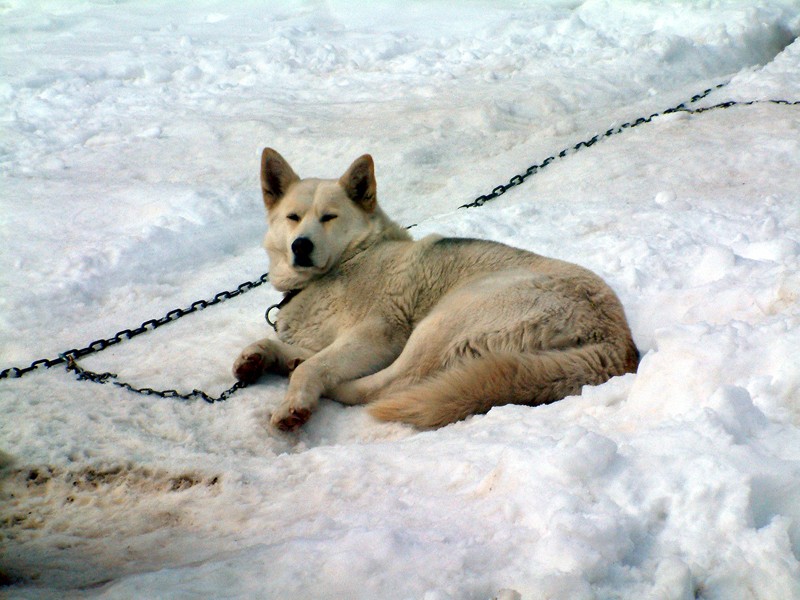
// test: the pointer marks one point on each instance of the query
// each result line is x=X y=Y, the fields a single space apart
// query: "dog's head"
x=314 y=223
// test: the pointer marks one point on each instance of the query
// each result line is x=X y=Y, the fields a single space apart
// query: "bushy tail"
x=477 y=384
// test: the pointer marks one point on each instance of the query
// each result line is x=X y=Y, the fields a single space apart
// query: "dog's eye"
x=293 y=217
x=326 y=218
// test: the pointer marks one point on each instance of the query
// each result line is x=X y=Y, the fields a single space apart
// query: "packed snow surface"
x=131 y=133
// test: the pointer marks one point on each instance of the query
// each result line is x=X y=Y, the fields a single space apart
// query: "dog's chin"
x=314 y=268
x=293 y=277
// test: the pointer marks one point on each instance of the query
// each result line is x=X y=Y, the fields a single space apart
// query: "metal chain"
x=519 y=179
x=86 y=375
x=69 y=357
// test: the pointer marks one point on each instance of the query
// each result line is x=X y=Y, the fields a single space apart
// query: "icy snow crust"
x=131 y=135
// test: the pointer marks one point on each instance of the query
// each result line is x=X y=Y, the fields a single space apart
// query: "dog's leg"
x=424 y=353
x=268 y=355
x=360 y=391
x=362 y=350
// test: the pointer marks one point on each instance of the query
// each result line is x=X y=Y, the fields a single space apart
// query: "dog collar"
x=287 y=297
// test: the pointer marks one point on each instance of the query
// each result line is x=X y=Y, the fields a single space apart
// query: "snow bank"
x=128 y=159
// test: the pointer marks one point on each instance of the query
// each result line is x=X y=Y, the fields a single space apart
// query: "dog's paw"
x=248 y=367
x=291 y=419
x=258 y=358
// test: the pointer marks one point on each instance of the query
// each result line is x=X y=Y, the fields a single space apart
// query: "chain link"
x=519 y=179
x=535 y=168
x=69 y=358
x=106 y=377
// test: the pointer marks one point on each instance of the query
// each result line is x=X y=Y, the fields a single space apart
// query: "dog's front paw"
x=295 y=410
x=259 y=358
x=291 y=419
x=249 y=366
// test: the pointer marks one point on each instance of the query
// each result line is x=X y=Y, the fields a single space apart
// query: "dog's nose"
x=302 y=248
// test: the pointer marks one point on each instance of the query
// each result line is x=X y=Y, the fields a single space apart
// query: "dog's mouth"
x=303 y=262
x=309 y=267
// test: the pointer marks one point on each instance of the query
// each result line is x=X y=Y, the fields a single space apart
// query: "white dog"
x=427 y=332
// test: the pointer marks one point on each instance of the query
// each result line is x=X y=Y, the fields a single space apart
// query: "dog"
x=425 y=332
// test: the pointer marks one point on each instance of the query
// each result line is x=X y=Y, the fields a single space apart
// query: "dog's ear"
x=276 y=176
x=359 y=183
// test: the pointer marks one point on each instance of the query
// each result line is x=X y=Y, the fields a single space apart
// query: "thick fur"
x=427 y=332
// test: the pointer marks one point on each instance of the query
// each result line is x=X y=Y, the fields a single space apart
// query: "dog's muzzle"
x=302 y=248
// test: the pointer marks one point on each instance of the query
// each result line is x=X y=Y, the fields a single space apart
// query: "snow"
x=129 y=151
